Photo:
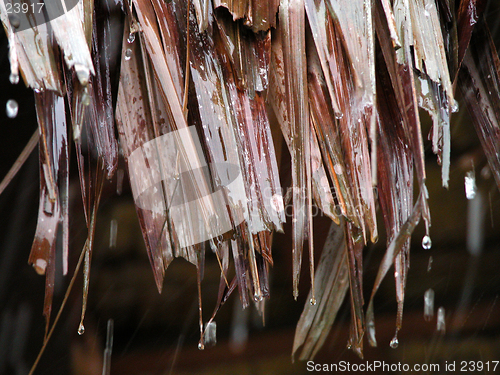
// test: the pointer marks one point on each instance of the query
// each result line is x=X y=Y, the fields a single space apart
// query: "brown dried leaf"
x=331 y=287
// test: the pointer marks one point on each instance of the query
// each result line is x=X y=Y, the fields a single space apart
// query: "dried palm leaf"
x=331 y=284
x=479 y=81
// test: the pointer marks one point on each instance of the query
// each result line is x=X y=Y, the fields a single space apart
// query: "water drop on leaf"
x=81 y=329
x=394 y=342
x=14 y=21
x=14 y=78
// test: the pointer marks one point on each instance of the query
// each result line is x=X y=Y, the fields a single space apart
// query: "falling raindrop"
x=441 y=324
x=81 y=329
x=12 y=108
x=312 y=301
x=113 y=230
x=470 y=185
x=85 y=96
x=426 y=242
x=210 y=335
x=14 y=78
x=131 y=38
x=428 y=304
x=394 y=342
x=14 y=21
x=128 y=54
x=429 y=265
x=119 y=181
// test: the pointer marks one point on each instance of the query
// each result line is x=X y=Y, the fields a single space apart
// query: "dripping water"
x=14 y=78
x=394 y=342
x=14 y=20
x=426 y=242
x=441 y=324
x=470 y=185
x=81 y=329
x=11 y=108
x=106 y=366
x=429 y=265
x=210 y=334
x=113 y=230
x=428 y=304
x=119 y=181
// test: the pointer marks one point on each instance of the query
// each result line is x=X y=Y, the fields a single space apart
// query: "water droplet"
x=81 y=329
x=119 y=181
x=339 y=115
x=429 y=265
x=428 y=304
x=201 y=346
x=131 y=38
x=210 y=335
x=312 y=301
x=85 y=97
x=470 y=185
x=455 y=107
x=82 y=73
x=113 y=230
x=128 y=54
x=441 y=324
x=394 y=342
x=14 y=21
x=14 y=78
x=257 y=297
x=11 y=108
x=426 y=242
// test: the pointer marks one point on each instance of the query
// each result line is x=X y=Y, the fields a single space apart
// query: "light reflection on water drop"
x=11 y=108
x=441 y=324
x=426 y=242
x=428 y=304
x=128 y=54
x=470 y=185
x=14 y=21
x=394 y=342
x=113 y=231
x=312 y=301
x=81 y=329
x=429 y=265
x=14 y=78
x=131 y=38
